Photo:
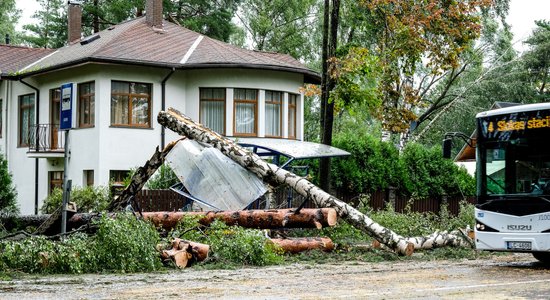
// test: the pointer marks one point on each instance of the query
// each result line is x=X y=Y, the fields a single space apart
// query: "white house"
x=123 y=77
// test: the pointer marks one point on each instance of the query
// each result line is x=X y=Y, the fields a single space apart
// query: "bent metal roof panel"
x=134 y=42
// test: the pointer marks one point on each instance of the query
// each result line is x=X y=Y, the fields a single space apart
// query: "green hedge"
x=375 y=165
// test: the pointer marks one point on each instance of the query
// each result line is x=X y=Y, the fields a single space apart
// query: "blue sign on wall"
x=66 y=117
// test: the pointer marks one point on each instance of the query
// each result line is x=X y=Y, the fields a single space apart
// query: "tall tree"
x=100 y=14
x=330 y=43
x=9 y=16
x=537 y=59
x=211 y=18
x=50 y=30
x=413 y=47
x=283 y=26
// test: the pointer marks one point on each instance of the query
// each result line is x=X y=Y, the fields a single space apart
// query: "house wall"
x=103 y=148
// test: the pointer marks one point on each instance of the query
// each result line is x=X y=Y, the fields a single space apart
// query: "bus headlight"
x=482 y=227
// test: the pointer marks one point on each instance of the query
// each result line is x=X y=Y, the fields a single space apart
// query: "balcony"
x=46 y=141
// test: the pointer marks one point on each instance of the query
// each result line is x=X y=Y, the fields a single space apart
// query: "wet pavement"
x=513 y=276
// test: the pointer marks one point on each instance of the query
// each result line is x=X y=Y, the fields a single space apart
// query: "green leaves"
x=419 y=171
x=8 y=194
x=87 y=199
x=230 y=245
x=124 y=244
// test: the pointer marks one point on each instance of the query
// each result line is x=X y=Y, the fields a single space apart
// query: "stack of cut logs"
x=184 y=253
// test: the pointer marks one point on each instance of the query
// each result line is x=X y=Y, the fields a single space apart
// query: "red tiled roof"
x=134 y=42
x=14 y=58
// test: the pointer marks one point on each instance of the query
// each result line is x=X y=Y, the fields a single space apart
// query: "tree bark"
x=296 y=245
x=275 y=176
x=140 y=178
x=260 y=219
x=330 y=40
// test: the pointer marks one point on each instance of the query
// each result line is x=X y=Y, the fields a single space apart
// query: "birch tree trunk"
x=275 y=176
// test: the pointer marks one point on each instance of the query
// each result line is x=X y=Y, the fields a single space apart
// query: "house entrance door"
x=54 y=118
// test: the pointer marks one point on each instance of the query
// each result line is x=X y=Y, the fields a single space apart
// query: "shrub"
x=8 y=195
x=430 y=175
x=124 y=244
x=163 y=178
x=372 y=164
x=418 y=171
x=230 y=244
x=87 y=199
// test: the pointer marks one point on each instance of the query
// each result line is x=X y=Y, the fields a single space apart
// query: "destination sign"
x=533 y=123
x=503 y=127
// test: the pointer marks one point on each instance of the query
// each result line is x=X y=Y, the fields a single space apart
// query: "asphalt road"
x=515 y=276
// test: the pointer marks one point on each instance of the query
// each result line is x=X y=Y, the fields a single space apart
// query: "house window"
x=273 y=113
x=88 y=178
x=212 y=109
x=130 y=104
x=117 y=181
x=246 y=107
x=86 y=104
x=26 y=118
x=292 y=100
x=56 y=180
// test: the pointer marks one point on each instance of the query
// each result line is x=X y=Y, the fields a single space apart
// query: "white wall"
x=103 y=148
x=241 y=78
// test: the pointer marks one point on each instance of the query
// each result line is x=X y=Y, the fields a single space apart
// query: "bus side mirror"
x=447 y=146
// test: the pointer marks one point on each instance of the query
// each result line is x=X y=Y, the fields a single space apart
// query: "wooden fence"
x=167 y=200
x=380 y=199
x=160 y=200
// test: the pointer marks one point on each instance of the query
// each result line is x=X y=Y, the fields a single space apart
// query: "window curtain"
x=244 y=117
x=273 y=119
x=119 y=109
x=291 y=122
x=212 y=108
x=212 y=115
x=27 y=118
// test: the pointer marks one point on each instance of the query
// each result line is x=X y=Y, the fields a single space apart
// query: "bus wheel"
x=543 y=257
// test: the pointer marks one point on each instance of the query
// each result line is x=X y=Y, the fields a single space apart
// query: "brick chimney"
x=153 y=13
x=75 y=21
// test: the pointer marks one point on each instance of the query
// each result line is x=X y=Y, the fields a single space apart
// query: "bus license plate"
x=518 y=245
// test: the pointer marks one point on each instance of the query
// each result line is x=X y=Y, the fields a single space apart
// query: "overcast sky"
x=522 y=16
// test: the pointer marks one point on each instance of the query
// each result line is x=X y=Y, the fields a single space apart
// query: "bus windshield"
x=514 y=154
x=517 y=167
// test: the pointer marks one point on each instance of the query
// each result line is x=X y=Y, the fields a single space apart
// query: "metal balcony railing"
x=46 y=138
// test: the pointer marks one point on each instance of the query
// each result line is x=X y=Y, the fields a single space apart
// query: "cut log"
x=260 y=219
x=296 y=245
x=198 y=250
x=276 y=176
x=140 y=177
x=183 y=253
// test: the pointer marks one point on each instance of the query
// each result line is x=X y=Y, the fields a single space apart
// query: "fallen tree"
x=260 y=219
x=276 y=176
x=253 y=218
x=140 y=177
